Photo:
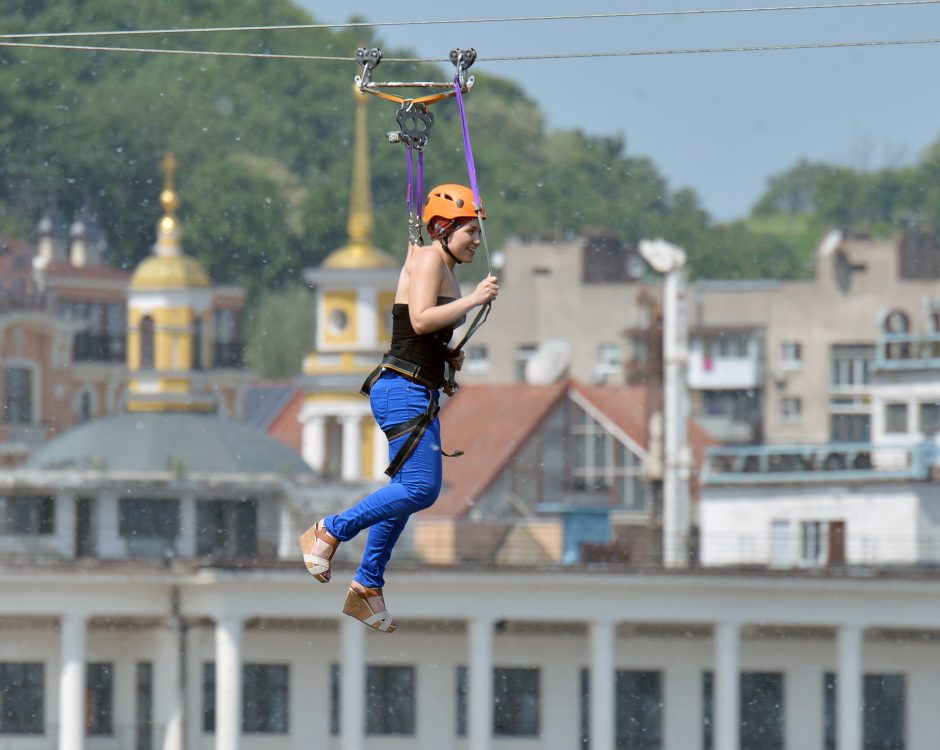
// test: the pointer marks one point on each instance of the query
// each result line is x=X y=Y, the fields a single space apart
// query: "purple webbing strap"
x=419 y=194
x=410 y=195
x=468 y=150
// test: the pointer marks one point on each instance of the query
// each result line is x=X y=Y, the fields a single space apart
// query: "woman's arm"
x=426 y=278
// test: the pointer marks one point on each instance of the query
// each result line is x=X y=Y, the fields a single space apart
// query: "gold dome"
x=357 y=255
x=169 y=272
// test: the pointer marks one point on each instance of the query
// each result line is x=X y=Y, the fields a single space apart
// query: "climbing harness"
x=415 y=121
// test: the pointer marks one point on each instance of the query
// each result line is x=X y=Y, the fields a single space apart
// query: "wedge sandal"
x=358 y=605
x=318 y=565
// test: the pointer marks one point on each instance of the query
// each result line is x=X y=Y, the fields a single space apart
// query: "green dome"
x=184 y=443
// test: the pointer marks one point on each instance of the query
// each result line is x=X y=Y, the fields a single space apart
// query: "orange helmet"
x=450 y=202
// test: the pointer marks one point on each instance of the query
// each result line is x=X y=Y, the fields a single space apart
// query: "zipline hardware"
x=415 y=122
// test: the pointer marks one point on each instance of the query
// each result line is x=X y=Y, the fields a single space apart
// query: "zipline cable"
x=496 y=58
x=495 y=19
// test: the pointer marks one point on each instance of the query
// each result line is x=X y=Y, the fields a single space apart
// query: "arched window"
x=146 y=343
x=896 y=324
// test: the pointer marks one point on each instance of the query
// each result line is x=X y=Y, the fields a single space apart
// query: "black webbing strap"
x=414 y=427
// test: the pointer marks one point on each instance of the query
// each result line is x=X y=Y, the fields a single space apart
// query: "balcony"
x=97 y=347
x=801 y=464
x=228 y=355
x=908 y=351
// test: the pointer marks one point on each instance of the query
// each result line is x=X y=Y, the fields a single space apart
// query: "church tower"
x=169 y=311
x=355 y=289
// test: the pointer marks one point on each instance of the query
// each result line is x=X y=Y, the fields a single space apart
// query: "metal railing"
x=908 y=351
x=786 y=464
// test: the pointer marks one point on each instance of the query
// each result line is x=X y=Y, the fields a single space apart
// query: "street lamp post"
x=669 y=260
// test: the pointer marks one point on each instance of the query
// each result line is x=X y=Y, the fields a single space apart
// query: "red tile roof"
x=491 y=423
x=59 y=269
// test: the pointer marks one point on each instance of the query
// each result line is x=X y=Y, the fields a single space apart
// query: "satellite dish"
x=549 y=362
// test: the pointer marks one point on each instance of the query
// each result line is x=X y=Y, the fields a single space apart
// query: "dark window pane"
x=461 y=697
x=144 y=709
x=99 y=699
x=17 y=395
x=334 y=700
x=208 y=697
x=884 y=712
x=390 y=700
x=226 y=528
x=150 y=526
x=829 y=711
x=265 y=698
x=639 y=710
x=761 y=711
x=708 y=711
x=516 y=702
x=21 y=698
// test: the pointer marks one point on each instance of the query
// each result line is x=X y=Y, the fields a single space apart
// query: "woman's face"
x=464 y=241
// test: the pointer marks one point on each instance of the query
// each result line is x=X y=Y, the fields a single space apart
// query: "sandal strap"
x=385 y=617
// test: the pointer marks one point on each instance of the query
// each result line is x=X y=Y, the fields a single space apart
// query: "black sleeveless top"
x=425 y=349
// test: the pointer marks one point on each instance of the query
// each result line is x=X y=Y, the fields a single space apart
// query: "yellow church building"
x=355 y=288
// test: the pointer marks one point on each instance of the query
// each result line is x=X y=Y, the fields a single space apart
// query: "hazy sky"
x=720 y=123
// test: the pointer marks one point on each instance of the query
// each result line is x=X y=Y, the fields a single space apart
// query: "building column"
x=603 y=684
x=849 y=688
x=352 y=447
x=168 y=709
x=480 y=685
x=727 y=685
x=352 y=680
x=313 y=443
x=228 y=683
x=72 y=636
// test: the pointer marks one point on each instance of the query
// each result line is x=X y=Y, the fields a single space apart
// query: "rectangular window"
x=523 y=354
x=334 y=700
x=461 y=700
x=265 y=691
x=791 y=409
x=850 y=428
x=144 y=708
x=478 y=358
x=226 y=528
x=390 y=700
x=929 y=418
x=639 y=707
x=149 y=526
x=208 y=697
x=17 y=395
x=896 y=418
x=791 y=355
x=761 y=711
x=516 y=702
x=99 y=700
x=814 y=537
x=884 y=712
x=265 y=694
x=829 y=711
x=21 y=698
x=25 y=514
x=708 y=711
x=850 y=366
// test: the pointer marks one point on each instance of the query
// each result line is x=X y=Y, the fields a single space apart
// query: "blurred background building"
x=151 y=592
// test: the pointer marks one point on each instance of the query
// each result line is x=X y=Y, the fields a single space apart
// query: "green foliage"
x=280 y=331
x=265 y=157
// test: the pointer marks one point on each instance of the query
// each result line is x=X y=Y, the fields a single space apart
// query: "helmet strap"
x=447 y=250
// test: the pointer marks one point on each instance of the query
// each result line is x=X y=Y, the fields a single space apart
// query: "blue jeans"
x=394 y=399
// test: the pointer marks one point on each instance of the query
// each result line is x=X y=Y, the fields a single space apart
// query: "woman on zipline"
x=403 y=393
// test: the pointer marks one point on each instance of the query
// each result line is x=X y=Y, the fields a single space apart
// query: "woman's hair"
x=440 y=228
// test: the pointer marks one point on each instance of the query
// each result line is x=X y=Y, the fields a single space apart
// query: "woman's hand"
x=455 y=359
x=486 y=291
